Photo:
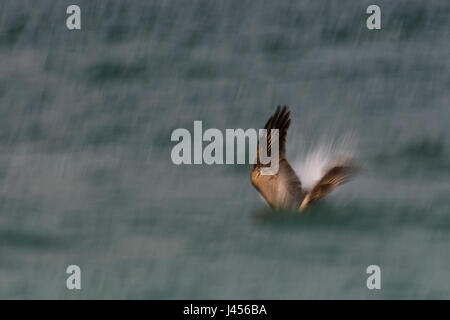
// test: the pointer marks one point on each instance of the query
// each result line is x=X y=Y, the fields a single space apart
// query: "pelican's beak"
x=305 y=203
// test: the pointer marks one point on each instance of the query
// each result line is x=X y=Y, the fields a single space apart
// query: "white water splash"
x=320 y=157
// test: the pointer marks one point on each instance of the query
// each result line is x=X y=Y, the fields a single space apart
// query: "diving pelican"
x=283 y=190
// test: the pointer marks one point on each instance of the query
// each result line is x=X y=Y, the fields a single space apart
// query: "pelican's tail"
x=334 y=177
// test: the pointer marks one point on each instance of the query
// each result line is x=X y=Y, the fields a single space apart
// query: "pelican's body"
x=283 y=190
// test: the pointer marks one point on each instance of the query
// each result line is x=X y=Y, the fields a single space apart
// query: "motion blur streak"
x=86 y=176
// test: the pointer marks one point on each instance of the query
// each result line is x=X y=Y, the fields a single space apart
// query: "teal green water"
x=86 y=176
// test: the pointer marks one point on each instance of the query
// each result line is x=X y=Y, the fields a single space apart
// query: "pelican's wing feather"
x=333 y=178
x=279 y=120
x=284 y=188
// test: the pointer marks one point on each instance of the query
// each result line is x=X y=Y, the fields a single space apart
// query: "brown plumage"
x=284 y=189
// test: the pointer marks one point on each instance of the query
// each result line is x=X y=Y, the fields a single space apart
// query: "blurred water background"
x=86 y=176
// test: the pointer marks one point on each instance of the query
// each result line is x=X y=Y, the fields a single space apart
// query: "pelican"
x=283 y=190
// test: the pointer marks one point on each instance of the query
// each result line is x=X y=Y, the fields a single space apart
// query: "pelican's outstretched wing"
x=284 y=188
x=334 y=177
x=279 y=120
